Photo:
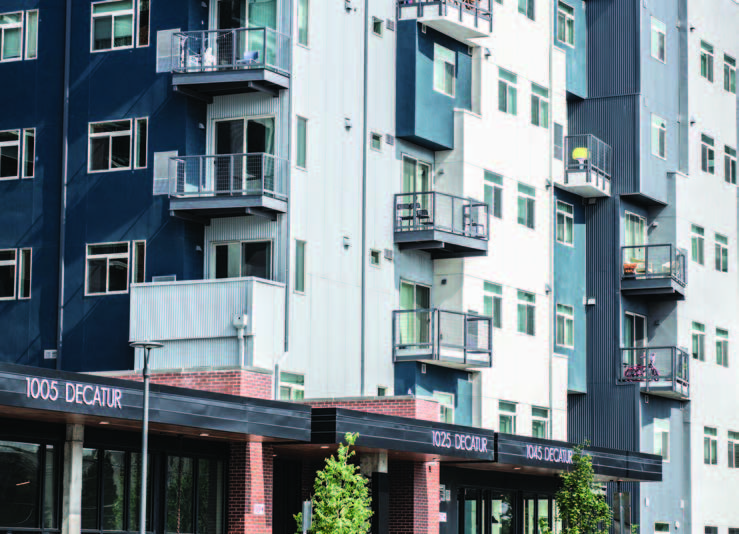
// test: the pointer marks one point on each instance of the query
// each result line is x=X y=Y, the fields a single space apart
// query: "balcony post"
x=464 y=322
x=394 y=338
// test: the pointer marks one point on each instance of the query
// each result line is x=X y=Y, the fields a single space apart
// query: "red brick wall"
x=241 y=382
x=426 y=410
x=414 y=498
x=249 y=487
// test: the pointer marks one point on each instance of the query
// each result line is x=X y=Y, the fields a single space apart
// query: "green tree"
x=582 y=509
x=341 y=499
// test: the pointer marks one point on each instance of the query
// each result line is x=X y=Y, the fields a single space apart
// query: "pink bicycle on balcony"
x=641 y=373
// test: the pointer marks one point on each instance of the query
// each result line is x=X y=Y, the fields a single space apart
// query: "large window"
x=565 y=24
x=292 y=386
x=697 y=244
x=493 y=303
x=710 y=446
x=10 y=150
x=707 y=61
x=699 y=341
x=303 y=17
x=565 y=223
x=526 y=323
x=110 y=145
x=539 y=422
x=107 y=268
x=539 y=106
x=658 y=40
x=733 y=450
x=527 y=8
x=662 y=438
x=31 y=34
x=11 y=36
x=112 y=25
x=729 y=164
x=507 y=417
x=659 y=136
x=415 y=300
x=565 y=326
x=15 y=274
x=28 y=486
x=507 y=92
x=722 y=347
x=721 y=248
x=416 y=177
x=729 y=74
x=446 y=406
x=526 y=206
x=708 y=155
x=243 y=258
x=444 y=70
x=494 y=194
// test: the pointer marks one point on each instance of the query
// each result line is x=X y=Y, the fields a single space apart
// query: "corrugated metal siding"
x=613 y=47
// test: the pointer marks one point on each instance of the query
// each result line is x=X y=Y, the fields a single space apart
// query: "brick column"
x=250 y=489
x=426 y=497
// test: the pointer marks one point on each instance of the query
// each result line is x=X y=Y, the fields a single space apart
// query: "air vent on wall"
x=50 y=354
x=389 y=139
x=165 y=278
x=390 y=25
x=388 y=253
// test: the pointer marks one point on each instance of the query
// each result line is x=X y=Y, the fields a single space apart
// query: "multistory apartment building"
x=461 y=228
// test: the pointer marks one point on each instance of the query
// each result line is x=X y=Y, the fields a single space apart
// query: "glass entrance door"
x=471 y=511
x=229 y=145
x=415 y=324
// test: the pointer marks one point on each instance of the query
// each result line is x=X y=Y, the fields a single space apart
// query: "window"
x=697 y=243
x=710 y=530
x=507 y=91
x=539 y=106
x=112 y=25
x=699 y=341
x=527 y=8
x=303 y=22
x=722 y=253
x=526 y=313
x=662 y=438
x=707 y=61
x=659 y=135
x=710 y=446
x=376 y=142
x=292 y=386
x=110 y=146
x=733 y=451
x=729 y=74
x=566 y=24
x=559 y=142
x=381 y=391
x=507 y=417
x=29 y=152
x=707 y=154
x=141 y=135
x=243 y=258
x=722 y=347
x=300 y=266
x=493 y=303
x=444 y=70
x=539 y=419
x=302 y=159
x=565 y=223
x=9 y=154
x=494 y=194
x=661 y=527
x=374 y=257
x=377 y=26
x=526 y=204
x=107 y=269
x=446 y=406
x=414 y=326
x=32 y=34
x=139 y=262
x=729 y=164
x=15 y=266
x=24 y=279
x=565 y=326
x=11 y=32
x=143 y=23
x=417 y=178
x=658 y=40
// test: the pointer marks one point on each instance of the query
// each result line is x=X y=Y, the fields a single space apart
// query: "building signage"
x=560 y=455
x=459 y=441
x=73 y=392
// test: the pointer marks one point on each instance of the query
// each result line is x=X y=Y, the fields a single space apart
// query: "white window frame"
x=14 y=262
x=291 y=386
x=511 y=88
x=658 y=129
x=304 y=244
x=137 y=22
x=710 y=61
x=299 y=119
x=27 y=27
x=565 y=316
x=439 y=62
x=730 y=165
x=732 y=439
x=659 y=29
x=722 y=340
x=375 y=21
x=712 y=441
x=569 y=35
x=306 y=4
x=28 y=132
x=13 y=26
x=134 y=29
x=567 y=218
x=729 y=74
x=699 y=238
x=493 y=293
x=19 y=144
x=108 y=257
x=530 y=309
x=375 y=253
x=698 y=331
x=21 y=267
x=212 y=255
x=134 y=261
x=378 y=136
x=132 y=142
x=494 y=184
x=659 y=430
x=708 y=148
x=136 y=141
x=505 y=413
x=540 y=419
x=448 y=406
x=721 y=253
x=542 y=105
x=529 y=197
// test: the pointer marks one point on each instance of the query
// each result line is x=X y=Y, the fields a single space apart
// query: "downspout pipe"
x=64 y=181
x=363 y=255
x=552 y=299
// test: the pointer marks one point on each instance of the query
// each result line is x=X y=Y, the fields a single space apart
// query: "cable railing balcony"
x=445 y=337
x=661 y=371
x=587 y=166
x=472 y=18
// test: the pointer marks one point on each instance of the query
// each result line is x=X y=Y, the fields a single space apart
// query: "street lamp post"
x=147 y=346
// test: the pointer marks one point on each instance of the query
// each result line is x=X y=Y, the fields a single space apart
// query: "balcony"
x=587 y=166
x=443 y=225
x=231 y=185
x=209 y=63
x=663 y=371
x=442 y=337
x=195 y=321
x=459 y=19
x=653 y=271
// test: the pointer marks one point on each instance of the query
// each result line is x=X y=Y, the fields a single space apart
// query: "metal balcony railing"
x=588 y=154
x=416 y=212
x=481 y=10
x=234 y=49
x=657 y=369
x=653 y=261
x=228 y=174
x=451 y=337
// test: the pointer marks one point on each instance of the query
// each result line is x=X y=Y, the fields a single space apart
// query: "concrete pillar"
x=72 y=480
